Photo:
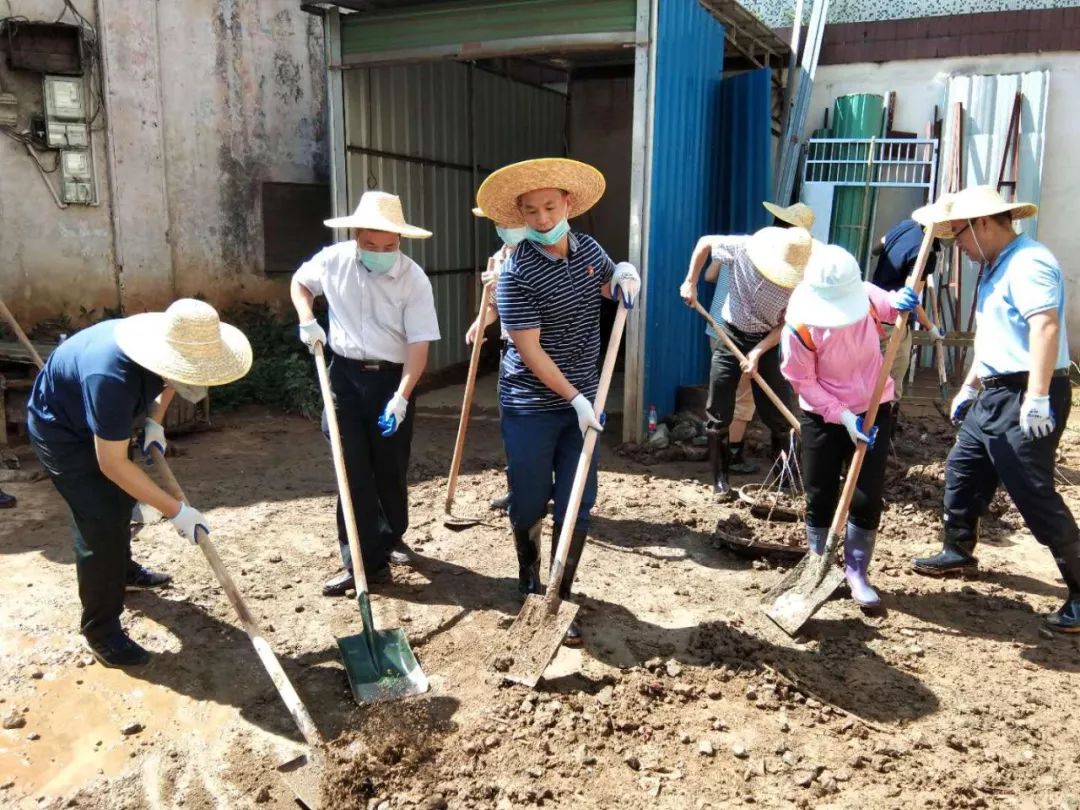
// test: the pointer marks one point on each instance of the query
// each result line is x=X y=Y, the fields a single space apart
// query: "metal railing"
x=872 y=162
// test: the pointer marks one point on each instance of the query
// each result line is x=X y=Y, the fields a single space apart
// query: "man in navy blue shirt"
x=549 y=298
x=94 y=389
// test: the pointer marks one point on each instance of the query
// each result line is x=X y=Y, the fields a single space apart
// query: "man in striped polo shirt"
x=549 y=298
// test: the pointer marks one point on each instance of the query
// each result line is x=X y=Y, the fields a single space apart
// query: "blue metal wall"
x=746 y=157
x=686 y=144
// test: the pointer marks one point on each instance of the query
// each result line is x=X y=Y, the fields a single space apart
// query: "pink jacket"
x=840 y=372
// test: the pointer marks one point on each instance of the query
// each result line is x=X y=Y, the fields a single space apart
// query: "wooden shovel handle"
x=764 y=386
x=266 y=655
x=581 y=475
x=470 y=385
x=339 y=472
x=915 y=281
x=21 y=335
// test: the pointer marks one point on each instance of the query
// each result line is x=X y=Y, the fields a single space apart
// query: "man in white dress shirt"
x=382 y=318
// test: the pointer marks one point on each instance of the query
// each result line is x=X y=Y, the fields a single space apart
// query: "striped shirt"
x=561 y=298
x=754 y=304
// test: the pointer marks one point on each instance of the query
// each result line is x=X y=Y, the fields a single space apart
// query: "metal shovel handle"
x=764 y=386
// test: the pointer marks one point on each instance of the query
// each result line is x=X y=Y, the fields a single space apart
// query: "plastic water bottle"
x=652 y=419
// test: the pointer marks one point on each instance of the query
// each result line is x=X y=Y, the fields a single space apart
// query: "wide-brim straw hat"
x=379 y=211
x=780 y=254
x=800 y=214
x=187 y=343
x=970 y=203
x=831 y=294
x=498 y=194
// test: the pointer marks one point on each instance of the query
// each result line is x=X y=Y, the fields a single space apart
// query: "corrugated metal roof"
x=746 y=152
x=689 y=58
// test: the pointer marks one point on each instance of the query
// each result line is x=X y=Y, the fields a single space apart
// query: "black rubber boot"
x=1066 y=619
x=573 y=558
x=720 y=463
x=527 y=545
x=738 y=463
x=956 y=555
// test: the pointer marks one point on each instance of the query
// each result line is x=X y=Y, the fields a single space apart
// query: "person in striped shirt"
x=549 y=297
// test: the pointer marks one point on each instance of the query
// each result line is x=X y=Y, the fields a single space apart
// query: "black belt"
x=1018 y=379
x=368 y=365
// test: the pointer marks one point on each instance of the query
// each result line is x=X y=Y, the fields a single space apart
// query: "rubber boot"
x=720 y=462
x=858 y=550
x=956 y=555
x=527 y=545
x=1066 y=619
x=815 y=539
x=573 y=557
x=738 y=463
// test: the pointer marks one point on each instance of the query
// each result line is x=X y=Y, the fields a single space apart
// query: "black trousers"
x=990 y=449
x=377 y=466
x=100 y=519
x=825 y=449
x=724 y=375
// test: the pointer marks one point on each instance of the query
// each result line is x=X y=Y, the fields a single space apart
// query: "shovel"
x=5 y=313
x=540 y=627
x=304 y=773
x=379 y=663
x=810 y=584
x=731 y=347
x=449 y=518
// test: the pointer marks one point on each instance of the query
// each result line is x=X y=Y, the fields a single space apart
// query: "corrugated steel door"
x=686 y=65
x=746 y=156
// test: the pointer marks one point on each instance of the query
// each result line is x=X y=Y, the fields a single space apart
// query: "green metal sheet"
x=855 y=116
x=466 y=23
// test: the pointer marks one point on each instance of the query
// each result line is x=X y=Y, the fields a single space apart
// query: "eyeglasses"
x=956 y=234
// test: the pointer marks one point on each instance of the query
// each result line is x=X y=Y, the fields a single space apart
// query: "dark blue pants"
x=376 y=465
x=100 y=520
x=990 y=449
x=542 y=451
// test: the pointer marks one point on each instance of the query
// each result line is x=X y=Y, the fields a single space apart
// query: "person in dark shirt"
x=897 y=253
x=93 y=389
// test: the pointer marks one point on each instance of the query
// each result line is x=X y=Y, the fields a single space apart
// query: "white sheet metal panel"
x=988 y=104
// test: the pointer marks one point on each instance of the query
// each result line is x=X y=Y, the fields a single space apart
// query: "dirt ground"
x=683 y=696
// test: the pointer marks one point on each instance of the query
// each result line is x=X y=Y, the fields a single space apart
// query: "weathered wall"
x=920 y=84
x=782 y=12
x=206 y=100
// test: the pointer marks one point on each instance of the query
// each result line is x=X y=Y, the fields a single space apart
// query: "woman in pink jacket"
x=831 y=350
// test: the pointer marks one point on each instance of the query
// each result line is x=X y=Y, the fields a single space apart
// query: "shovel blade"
x=380 y=664
x=458 y=522
x=807 y=587
x=535 y=637
x=303 y=775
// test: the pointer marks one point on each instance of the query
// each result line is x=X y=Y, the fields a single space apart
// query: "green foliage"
x=282 y=375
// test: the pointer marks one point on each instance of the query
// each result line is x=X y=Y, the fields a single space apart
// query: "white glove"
x=854 y=425
x=491 y=274
x=937 y=333
x=153 y=436
x=393 y=414
x=586 y=416
x=626 y=280
x=961 y=403
x=1036 y=418
x=187 y=520
x=311 y=333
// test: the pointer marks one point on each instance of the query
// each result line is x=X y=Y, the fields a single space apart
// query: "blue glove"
x=904 y=300
x=153 y=436
x=393 y=415
x=626 y=282
x=855 y=429
x=961 y=404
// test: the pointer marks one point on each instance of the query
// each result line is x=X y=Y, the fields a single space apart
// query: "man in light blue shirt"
x=1009 y=431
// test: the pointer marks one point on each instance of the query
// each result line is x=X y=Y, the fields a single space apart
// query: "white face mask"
x=191 y=393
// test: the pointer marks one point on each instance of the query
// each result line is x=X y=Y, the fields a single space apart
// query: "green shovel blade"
x=380 y=664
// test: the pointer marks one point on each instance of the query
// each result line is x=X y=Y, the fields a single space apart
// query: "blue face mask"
x=378 y=262
x=548 y=237
x=511 y=236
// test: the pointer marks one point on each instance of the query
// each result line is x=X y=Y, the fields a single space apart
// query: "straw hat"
x=780 y=254
x=832 y=293
x=379 y=211
x=971 y=203
x=800 y=215
x=498 y=194
x=187 y=343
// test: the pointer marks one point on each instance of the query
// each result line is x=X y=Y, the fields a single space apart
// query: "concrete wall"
x=780 y=13
x=921 y=84
x=205 y=100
